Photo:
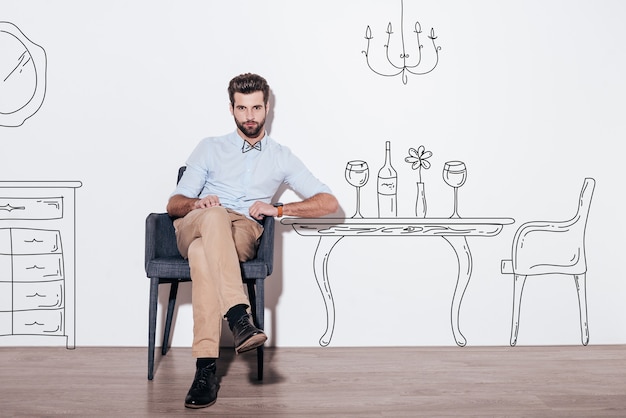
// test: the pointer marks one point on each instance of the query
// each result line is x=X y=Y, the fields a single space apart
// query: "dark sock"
x=202 y=362
x=235 y=313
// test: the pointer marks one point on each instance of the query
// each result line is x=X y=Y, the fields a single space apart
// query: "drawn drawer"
x=6 y=320
x=6 y=268
x=5 y=241
x=37 y=268
x=40 y=322
x=35 y=241
x=6 y=293
x=44 y=295
x=31 y=208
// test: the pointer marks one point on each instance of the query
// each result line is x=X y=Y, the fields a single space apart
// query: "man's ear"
x=232 y=110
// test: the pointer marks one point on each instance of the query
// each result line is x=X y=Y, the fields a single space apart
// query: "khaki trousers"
x=215 y=240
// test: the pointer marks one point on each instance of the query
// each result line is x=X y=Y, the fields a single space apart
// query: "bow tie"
x=247 y=147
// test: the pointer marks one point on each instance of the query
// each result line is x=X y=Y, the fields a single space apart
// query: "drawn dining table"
x=454 y=230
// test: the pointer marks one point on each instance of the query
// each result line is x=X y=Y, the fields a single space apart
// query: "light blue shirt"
x=217 y=166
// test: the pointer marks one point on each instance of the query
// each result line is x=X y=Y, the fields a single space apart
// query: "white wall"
x=530 y=94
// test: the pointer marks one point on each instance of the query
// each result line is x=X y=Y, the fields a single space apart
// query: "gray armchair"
x=164 y=264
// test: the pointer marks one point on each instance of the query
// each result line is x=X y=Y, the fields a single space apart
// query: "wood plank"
x=572 y=381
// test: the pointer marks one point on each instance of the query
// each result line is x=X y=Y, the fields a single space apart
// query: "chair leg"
x=581 y=286
x=168 y=318
x=518 y=288
x=257 y=300
x=260 y=315
x=152 y=316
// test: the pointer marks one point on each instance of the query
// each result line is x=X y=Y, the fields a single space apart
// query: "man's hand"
x=258 y=210
x=207 y=202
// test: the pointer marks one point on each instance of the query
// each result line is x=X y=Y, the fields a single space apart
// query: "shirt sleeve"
x=193 y=180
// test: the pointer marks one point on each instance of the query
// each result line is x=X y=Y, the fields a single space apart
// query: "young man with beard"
x=225 y=191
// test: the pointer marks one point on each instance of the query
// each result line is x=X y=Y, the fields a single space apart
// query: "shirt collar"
x=247 y=147
x=242 y=144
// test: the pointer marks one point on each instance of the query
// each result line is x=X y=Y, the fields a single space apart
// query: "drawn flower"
x=418 y=159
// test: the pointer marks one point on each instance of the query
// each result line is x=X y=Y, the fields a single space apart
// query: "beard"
x=251 y=131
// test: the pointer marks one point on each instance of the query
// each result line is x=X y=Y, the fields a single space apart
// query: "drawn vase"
x=420 y=203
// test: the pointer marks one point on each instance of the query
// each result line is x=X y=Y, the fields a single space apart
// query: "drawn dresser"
x=37 y=263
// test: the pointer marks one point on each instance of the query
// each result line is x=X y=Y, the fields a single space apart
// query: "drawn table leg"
x=464 y=257
x=320 y=269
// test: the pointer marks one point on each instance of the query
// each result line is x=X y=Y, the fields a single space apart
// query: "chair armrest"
x=160 y=237
x=549 y=247
x=265 y=252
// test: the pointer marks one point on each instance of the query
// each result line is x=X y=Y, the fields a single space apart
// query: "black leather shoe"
x=247 y=336
x=203 y=391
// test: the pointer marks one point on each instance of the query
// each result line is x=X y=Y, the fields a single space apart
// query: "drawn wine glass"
x=455 y=174
x=357 y=174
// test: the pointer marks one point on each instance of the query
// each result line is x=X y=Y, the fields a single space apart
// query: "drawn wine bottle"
x=387 y=190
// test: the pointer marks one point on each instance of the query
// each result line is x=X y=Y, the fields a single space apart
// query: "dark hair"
x=246 y=84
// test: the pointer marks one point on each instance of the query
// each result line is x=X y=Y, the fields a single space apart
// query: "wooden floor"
x=573 y=381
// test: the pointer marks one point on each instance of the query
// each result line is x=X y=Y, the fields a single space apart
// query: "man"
x=226 y=189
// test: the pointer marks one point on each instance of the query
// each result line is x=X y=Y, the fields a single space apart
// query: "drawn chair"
x=164 y=264
x=552 y=248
